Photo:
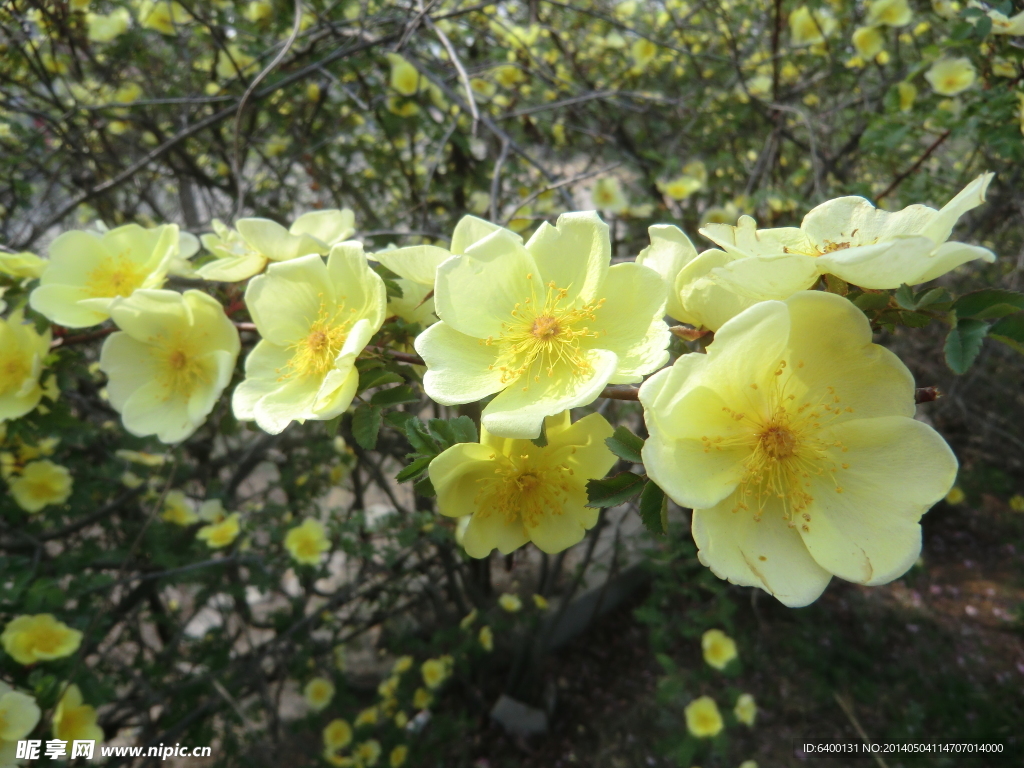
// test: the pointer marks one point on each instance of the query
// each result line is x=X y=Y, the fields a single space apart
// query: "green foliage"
x=625 y=445
x=614 y=490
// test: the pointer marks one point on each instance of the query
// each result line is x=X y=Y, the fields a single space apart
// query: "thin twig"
x=917 y=164
x=496 y=179
x=470 y=99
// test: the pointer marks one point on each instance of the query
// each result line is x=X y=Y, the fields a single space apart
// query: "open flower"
x=104 y=27
x=510 y=603
x=890 y=13
x=337 y=735
x=948 y=77
x=1003 y=25
x=367 y=754
x=547 y=325
x=486 y=638
x=19 y=715
x=868 y=41
x=318 y=693
x=315 y=319
x=703 y=719
x=514 y=491
x=398 y=756
x=170 y=362
x=88 y=270
x=607 y=195
x=434 y=672
x=745 y=709
x=29 y=639
x=22 y=265
x=222 y=533
x=41 y=483
x=405 y=79
x=22 y=352
x=719 y=649
x=73 y=720
x=307 y=542
x=178 y=509
x=243 y=253
x=793 y=441
x=809 y=28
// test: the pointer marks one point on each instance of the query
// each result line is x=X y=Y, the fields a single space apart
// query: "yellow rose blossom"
x=546 y=325
x=422 y=699
x=948 y=77
x=509 y=76
x=398 y=756
x=315 y=319
x=868 y=41
x=140 y=457
x=259 y=11
x=891 y=13
x=703 y=719
x=88 y=270
x=178 y=509
x=607 y=195
x=23 y=265
x=807 y=28
x=318 y=693
x=220 y=534
x=745 y=709
x=1017 y=503
x=401 y=720
x=908 y=95
x=162 y=15
x=104 y=27
x=19 y=715
x=405 y=79
x=434 y=672
x=719 y=649
x=337 y=734
x=402 y=664
x=368 y=716
x=956 y=495
x=517 y=492
x=802 y=456
x=540 y=602
x=367 y=754
x=486 y=638
x=643 y=52
x=510 y=603
x=22 y=352
x=73 y=720
x=681 y=187
x=30 y=639
x=41 y=483
x=170 y=362
x=306 y=543
x=1003 y=25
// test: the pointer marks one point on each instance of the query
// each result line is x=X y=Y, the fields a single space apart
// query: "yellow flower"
x=73 y=720
x=541 y=602
x=368 y=716
x=398 y=756
x=401 y=107
x=468 y=619
x=509 y=75
x=141 y=457
x=510 y=603
x=106 y=27
x=402 y=664
x=315 y=319
x=337 y=735
x=748 y=764
x=368 y=753
x=483 y=90
x=486 y=638
x=948 y=77
x=19 y=715
x=88 y=270
x=339 y=761
x=802 y=457
x=1000 y=68
x=546 y=325
x=232 y=61
x=259 y=11
x=401 y=720
x=41 y=483
x=1017 y=503
x=162 y=15
x=177 y=509
x=434 y=672
x=1001 y=25
x=908 y=95
x=806 y=28
x=703 y=719
x=681 y=187
x=607 y=195
x=318 y=693
x=719 y=649
x=23 y=265
x=313 y=92
x=22 y=352
x=221 y=534
x=276 y=145
x=868 y=41
x=422 y=699
x=28 y=639
x=643 y=52
x=307 y=542
x=891 y=13
x=956 y=495
x=517 y=492
x=405 y=79
x=745 y=709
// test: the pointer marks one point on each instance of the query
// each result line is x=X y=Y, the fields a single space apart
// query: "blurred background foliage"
x=412 y=115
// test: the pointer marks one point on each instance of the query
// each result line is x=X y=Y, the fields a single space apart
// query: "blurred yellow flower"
x=313 y=92
x=949 y=77
x=318 y=693
x=719 y=649
x=1002 y=25
x=162 y=15
x=422 y=698
x=540 y=601
x=22 y=265
x=398 y=756
x=908 y=95
x=232 y=61
x=1017 y=503
x=337 y=734
x=22 y=355
x=402 y=664
x=221 y=534
x=482 y=89
x=486 y=638
x=368 y=716
x=19 y=715
x=74 y=720
x=178 y=509
x=703 y=719
x=468 y=619
x=367 y=754
x=405 y=79
x=106 y=27
x=259 y=11
x=510 y=603
x=680 y=187
x=643 y=52
x=434 y=672
x=807 y=28
x=745 y=709
x=956 y=495
x=509 y=75
x=868 y=41
x=891 y=13
x=41 y=483
x=607 y=195
x=30 y=639
x=306 y=543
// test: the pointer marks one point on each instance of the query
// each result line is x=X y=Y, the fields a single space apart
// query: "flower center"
x=14 y=369
x=544 y=336
x=114 y=276
x=182 y=371
x=522 y=490
x=315 y=353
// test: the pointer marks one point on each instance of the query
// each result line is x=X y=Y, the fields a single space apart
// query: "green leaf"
x=872 y=302
x=654 y=509
x=625 y=445
x=1010 y=331
x=836 y=285
x=394 y=396
x=914 y=319
x=420 y=439
x=398 y=418
x=393 y=289
x=378 y=377
x=366 y=425
x=448 y=432
x=933 y=297
x=541 y=440
x=904 y=296
x=425 y=488
x=988 y=304
x=464 y=429
x=964 y=343
x=331 y=426
x=615 y=490
x=415 y=469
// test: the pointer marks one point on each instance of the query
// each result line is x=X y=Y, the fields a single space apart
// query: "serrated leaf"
x=394 y=396
x=366 y=426
x=904 y=296
x=378 y=377
x=625 y=445
x=1010 y=331
x=653 y=509
x=425 y=488
x=614 y=490
x=415 y=469
x=464 y=429
x=914 y=319
x=331 y=426
x=988 y=304
x=419 y=438
x=393 y=289
x=398 y=418
x=963 y=344
x=932 y=297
